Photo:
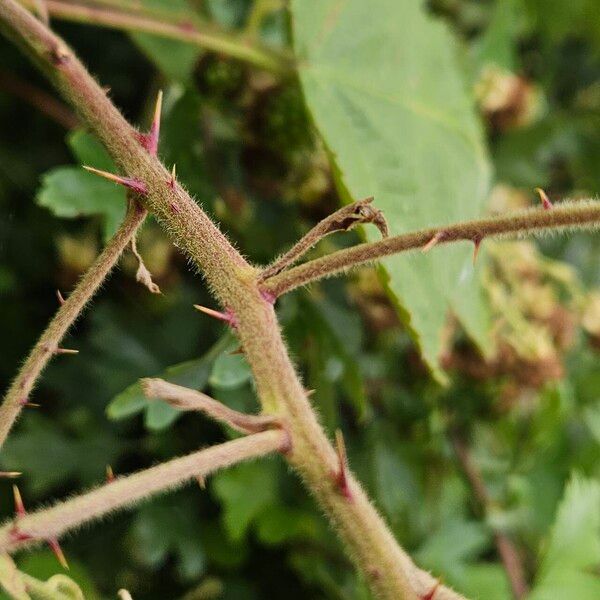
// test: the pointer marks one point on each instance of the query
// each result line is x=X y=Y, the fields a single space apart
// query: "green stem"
x=386 y=567
x=237 y=47
x=584 y=214
x=47 y=345
x=122 y=492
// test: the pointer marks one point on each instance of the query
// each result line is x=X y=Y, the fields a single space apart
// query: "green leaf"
x=71 y=192
x=385 y=91
x=573 y=551
x=158 y=414
x=485 y=581
x=167 y=526
x=245 y=491
x=175 y=59
x=230 y=370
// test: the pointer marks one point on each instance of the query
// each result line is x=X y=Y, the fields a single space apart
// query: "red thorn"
x=227 y=316
x=110 y=476
x=60 y=297
x=477 y=246
x=341 y=476
x=55 y=547
x=431 y=593
x=19 y=506
x=150 y=140
x=434 y=241
x=133 y=184
x=268 y=296
x=544 y=198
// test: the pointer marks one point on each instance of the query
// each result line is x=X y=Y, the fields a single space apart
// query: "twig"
x=185 y=31
x=51 y=523
x=506 y=549
x=48 y=344
x=584 y=214
x=186 y=399
x=39 y=99
x=343 y=219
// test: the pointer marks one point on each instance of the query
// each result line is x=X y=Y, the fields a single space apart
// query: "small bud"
x=434 y=241
x=55 y=547
x=544 y=198
x=227 y=316
x=341 y=477
x=60 y=297
x=133 y=184
x=19 y=506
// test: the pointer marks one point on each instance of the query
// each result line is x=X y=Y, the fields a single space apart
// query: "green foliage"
x=391 y=90
x=405 y=133
x=72 y=192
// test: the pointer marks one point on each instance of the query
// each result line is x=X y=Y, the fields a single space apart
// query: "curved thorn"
x=544 y=198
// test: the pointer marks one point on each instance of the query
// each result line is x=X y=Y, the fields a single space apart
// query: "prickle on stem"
x=544 y=198
x=134 y=185
x=341 y=476
x=227 y=316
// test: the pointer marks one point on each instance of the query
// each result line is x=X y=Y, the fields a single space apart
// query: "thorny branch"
x=583 y=214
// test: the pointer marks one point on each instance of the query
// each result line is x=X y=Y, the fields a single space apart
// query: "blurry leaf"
x=230 y=370
x=51 y=458
x=159 y=415
x=175 y=59
x=451 y=546
x=182 y=143
x=245 y=492
x=169 y=526
x=573 y=552
x=403 y=130
x=286 y=524
x=485 y=581
x=42 y=564
x=72 y=192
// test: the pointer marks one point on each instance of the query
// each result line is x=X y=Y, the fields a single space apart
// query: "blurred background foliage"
x=526 y=412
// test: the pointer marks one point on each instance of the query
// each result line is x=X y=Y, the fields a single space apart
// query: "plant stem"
x=386 y=567
x=237 y=47
x=122 y=492
x=47 y=345
x=506 y=549
x=344 y=219
x=584 y=214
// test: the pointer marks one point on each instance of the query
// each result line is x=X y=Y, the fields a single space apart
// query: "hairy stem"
x=584 y=214
x=186 y=399
x=386 y=567
x=343 y=219
x=48 y=344
x=506 y=549
x=237 y=47
x=122 y=492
